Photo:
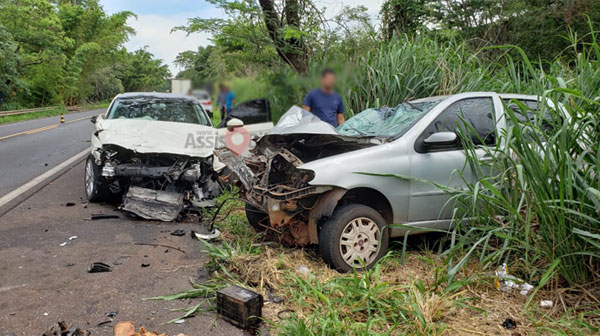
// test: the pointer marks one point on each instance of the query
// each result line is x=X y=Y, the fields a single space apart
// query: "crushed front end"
x=158 y=186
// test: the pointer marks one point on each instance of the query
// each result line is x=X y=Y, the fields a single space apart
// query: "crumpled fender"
x=323 y=208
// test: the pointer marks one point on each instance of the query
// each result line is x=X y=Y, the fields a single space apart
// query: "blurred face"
x=328 y=82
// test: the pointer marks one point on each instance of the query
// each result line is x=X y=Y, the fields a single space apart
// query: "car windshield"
x=387 y=121
x=161 y=109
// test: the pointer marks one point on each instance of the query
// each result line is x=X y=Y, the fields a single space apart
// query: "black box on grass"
x=239 y=306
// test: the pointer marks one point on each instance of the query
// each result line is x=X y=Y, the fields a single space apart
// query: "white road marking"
x=27 y=186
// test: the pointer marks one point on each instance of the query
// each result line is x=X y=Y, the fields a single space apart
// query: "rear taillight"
x=208 y=103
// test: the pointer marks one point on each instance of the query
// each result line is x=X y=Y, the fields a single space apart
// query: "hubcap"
x=89 y=177
x=360 y=241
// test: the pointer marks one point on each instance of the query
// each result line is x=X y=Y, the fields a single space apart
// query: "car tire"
x=256 y=218
x=96 y=186
x=353 y=231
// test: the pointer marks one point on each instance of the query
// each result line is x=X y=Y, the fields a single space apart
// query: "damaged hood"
x=300 y=125
x=151 y=136
x=299 y=121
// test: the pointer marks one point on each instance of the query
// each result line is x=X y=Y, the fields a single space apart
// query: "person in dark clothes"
x=324 y=102
x=221 y=100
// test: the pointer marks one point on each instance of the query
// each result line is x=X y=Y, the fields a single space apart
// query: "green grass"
x=50 y=113
x=33 y=115
x=409 y=292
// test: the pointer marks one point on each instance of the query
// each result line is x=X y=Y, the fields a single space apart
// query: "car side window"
x=527 y=115
x=477 y=112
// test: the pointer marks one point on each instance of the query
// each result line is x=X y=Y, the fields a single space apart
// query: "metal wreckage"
x=275 y=187
x=155 y=150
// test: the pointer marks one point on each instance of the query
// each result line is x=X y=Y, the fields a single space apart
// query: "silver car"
x=304 y=183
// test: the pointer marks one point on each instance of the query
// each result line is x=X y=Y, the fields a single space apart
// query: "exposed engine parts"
x=158 y=185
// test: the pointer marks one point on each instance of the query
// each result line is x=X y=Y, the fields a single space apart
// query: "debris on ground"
x=68 y=240
x=178 y=233
x=153 y=204
x=103 y=216
x=161 y=245
x=62 y=329
x=99 y=267
x=546 y=303
x=240 y=306
x=273 y=298
x=128 y=329
x=302 y=269
x=505 y=282
x=509 y=324
x=211 y=235
x=145 y=265
x=69 y=204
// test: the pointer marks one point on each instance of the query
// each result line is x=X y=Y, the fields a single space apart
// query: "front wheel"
x=96 y=186
x=353 y=237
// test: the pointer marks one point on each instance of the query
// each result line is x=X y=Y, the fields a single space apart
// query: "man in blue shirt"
x=324 y=102
x=229 y=100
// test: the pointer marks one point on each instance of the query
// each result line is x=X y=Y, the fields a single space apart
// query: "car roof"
x=466 y=94
x=162 y=95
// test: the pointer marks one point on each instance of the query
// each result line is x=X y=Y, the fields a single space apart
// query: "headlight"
x=306 y=175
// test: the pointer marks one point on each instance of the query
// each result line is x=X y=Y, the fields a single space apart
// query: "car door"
x=442 y=163
x=250 y=112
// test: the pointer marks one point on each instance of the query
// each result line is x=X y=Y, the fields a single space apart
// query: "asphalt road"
x=30 y=148
x=42 y=282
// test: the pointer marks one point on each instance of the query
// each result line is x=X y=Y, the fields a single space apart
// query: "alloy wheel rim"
x=89 y=178
x=360 y=241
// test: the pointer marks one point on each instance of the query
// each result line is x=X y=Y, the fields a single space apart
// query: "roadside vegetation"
x=69 y=53
x=51 y=113
x=409 y=292
x=537 y=213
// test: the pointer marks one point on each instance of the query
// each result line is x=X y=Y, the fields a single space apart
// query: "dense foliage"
x=69 y=52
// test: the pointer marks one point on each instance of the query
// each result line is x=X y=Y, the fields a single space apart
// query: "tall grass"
x=539 y=209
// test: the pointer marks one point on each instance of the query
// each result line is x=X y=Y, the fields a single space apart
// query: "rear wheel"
x=96 y=186
x=353 y=237
x=257 y=219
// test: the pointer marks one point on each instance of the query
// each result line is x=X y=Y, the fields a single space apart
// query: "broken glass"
x=387 y=121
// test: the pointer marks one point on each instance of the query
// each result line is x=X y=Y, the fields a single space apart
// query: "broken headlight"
x=108 y=170
x=193 y=173
x=306 y=175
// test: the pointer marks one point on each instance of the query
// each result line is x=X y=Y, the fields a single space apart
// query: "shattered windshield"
x=161 y=109
x=387 y=121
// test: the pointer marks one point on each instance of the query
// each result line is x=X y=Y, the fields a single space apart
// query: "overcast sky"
x=156 y=18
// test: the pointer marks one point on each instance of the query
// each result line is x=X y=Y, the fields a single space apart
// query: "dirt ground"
x=42 y=282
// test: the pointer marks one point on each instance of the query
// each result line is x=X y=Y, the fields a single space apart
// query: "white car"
x=204 y=98
x=157 y=150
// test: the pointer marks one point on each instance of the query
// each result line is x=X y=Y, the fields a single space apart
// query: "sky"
x=156 y=18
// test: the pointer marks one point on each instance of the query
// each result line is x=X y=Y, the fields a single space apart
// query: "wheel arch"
x=371 y=198
x=337 y=197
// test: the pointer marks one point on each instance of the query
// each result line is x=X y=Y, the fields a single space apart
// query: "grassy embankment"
x=50 y=113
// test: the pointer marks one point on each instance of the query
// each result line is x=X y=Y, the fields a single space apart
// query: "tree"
x=535 y=25
x=196 y=65
x=9 y=76
x=404 y=17
x=264 y=31
x=284 y=29
x=140 y=71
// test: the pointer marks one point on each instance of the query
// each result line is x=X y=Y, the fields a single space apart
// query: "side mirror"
x=93 y=119
x=234 y=123
x=440 y=139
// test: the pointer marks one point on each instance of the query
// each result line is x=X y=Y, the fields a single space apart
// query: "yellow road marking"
x=41 y=129
x=74 y=120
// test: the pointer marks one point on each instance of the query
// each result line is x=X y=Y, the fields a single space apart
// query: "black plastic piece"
x=240 y=306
